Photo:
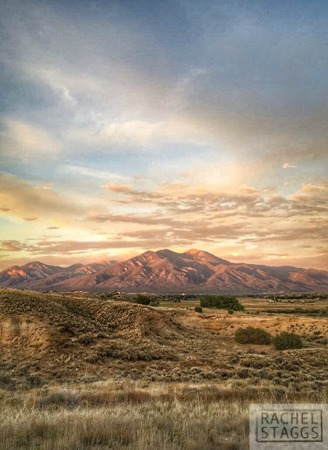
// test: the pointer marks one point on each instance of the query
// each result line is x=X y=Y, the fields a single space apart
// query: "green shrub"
x=198 y=309
x=251 y=335
x=154 y=303
x=227 y=302
x=285 y=340
x=142 y=299
x=230 y=311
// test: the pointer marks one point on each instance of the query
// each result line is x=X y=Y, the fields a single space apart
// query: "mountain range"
x=165 y=271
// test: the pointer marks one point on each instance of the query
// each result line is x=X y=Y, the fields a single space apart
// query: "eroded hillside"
x=50 y=338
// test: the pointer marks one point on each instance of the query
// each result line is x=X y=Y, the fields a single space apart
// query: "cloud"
x=145 y=219
x=29 y=201
x=27 y=139
x=311 y=199
x=302 y=234
x=66 y=247
x=118 y=187
x=170 y=201
x=158 y=98
x=11 y=246
x=288 y=166
x=182 y=215
x=30 y=219
x=316 y=190
x=89 y=172
x=54 y=79
x=190 y=233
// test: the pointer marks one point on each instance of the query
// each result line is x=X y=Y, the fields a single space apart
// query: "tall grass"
x=152 y=425
x=132 y=417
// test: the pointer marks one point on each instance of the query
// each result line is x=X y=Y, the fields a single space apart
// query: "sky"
x=137 y=125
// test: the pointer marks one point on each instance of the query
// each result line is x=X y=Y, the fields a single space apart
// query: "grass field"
x=134 y=415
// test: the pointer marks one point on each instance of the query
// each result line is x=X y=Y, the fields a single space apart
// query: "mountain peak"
x=149 y=256
x=39 y=266
x=148 y=253
x=35 y=264
x=195 y=251
x=201 y=255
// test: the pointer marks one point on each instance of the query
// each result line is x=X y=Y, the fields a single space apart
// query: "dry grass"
x=156 y=425
x=132 y=416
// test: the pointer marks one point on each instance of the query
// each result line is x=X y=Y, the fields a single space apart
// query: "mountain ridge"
x=165 y=271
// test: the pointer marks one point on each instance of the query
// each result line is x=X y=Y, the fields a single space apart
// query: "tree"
x=227 y=302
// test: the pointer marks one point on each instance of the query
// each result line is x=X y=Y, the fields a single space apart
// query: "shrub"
x=227 y=302
x=154 y=303
x=251 y=335
x=285 y=340
x=198 y=309
x=230 y=311
x=142 y=299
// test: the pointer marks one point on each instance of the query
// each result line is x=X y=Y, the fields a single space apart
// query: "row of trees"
x=228 y=302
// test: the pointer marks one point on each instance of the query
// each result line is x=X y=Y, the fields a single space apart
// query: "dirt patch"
x=23 y=333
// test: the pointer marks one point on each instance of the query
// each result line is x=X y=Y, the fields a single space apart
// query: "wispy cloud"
x=11 y=246
x=288 y=166
x=24 y=138
x=120 y=188
x=30 y=219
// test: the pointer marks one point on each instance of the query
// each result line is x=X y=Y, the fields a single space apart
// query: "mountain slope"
x=167 y=271
x=32 y=271
x=37 y=275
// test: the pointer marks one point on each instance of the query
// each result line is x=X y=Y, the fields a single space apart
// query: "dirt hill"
x=66 y=336
x=52 y=338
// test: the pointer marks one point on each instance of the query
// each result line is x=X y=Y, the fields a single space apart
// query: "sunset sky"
x=132 y=125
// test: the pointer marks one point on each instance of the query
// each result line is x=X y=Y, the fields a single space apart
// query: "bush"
x=251 y=335
x=198 y=309
x=227 y=302
x=284 y=341
x=154 y=303
x=142 y=299
x=230 y=311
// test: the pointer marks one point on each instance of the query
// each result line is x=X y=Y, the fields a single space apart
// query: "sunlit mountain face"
x=164 y=271
x=134 y=125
